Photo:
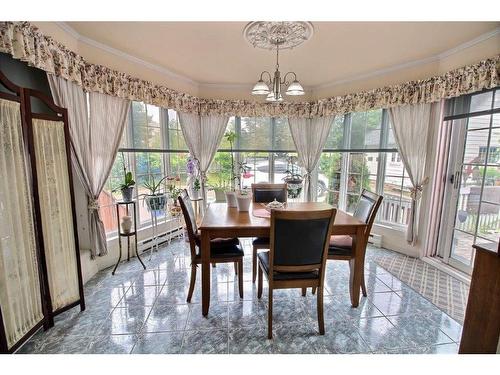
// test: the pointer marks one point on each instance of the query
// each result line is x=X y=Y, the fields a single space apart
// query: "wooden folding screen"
x=45 y=252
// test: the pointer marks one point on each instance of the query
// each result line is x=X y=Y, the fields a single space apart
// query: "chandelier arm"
x=270 y=82
x=284 y=81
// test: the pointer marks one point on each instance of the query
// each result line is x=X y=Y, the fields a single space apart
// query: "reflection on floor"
x=139 y=311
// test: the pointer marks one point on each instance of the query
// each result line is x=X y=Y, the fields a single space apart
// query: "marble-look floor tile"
x=342 y=337
x=145 y=311
x=247 y=314
x=113 y=344
x=125 y=320
x=416 y=328
x=167 y=318
x=203 y=342
x=302 y=338
x=249 y=340
x=217 y=317
x=159 y=343
x=380 y=334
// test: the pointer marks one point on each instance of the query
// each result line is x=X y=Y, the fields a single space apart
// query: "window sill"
x=391 y=226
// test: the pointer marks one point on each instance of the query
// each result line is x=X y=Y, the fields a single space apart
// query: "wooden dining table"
x=221 y=221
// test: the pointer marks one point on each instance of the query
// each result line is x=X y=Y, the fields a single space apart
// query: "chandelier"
x=277 y=35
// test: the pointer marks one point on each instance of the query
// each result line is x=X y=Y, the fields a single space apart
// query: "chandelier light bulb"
x=295 y=88
x=260 y=88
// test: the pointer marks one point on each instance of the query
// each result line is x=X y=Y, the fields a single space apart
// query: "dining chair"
x=222 y=250
x=341 y=247
x=265 y=193
x=297 y=256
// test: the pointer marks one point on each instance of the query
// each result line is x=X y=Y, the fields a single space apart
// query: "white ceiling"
x=216 y=53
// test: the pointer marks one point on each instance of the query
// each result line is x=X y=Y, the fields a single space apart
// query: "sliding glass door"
x=471 y=214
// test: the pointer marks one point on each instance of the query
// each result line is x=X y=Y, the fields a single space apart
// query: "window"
x=360 y=152
x=152 y=147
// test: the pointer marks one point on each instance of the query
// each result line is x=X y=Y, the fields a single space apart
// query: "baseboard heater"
x=147 y=243
x=375 y=240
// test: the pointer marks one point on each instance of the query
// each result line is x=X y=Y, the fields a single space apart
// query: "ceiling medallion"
x=277 y=36
x=269 y=35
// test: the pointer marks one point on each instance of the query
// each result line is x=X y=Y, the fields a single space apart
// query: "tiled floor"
x=139 y=311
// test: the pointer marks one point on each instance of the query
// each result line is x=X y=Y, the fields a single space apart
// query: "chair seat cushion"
x=264 y=260
x=342 y=242
x=340 y=245
x=221 y=247
x=261 y=241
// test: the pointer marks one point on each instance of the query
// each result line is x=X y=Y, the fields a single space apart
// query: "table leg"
x=356 y=265
x=205 y=271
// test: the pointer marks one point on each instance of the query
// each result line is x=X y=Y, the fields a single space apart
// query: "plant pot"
x=243 y=202
x=195 y=194
x=127 y=194
x=156 y=202
x=231 y=199
x=219 y=195
x=126 y=224
x=294 y=187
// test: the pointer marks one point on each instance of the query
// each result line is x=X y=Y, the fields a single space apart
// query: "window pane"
x=481 y=102
x=489 y=220
x=476 y=145
x=329 y=171
x=219 y=173
x=256 y=166
x=230 y=128
x=365 y=129
x=479 y=122
x=282 y=137
x=359 y=177
x=335 y=138
x=175 y=136
x=255 y=133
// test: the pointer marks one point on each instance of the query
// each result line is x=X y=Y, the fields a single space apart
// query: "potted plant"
x=196 y=188
x=231 y=195
x=193 y=181
x=243 y=200
x=155 y=200
x=293 y=179
x=173 y=190
x=127 y=187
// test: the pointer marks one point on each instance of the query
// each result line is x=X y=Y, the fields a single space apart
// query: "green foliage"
x=196 y=185
x=153 y=186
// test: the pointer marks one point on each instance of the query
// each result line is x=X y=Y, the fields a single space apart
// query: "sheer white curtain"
x=95 y=135
x=411 y=124
x=20 y=297
x=56 y=211
x=309 y=137
x=203 y=135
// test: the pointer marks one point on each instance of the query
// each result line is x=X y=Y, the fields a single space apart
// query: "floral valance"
x=25 y=42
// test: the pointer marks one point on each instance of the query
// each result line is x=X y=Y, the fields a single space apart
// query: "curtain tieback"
x=93 y=204
x=416 y=192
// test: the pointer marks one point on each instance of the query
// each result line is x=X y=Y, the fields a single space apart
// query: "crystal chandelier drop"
x=277 y=35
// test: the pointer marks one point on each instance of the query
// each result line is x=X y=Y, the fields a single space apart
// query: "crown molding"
x=411 y=64
x=246 y=86
x=160 y=69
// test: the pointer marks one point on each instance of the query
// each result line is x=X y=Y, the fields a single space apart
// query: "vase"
x=127 y=194
x=231 y=199
x=126 y=224
x=243 y=202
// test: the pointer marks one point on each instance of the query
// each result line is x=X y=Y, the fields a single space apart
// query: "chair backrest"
x=190 y=219
x=299 y=240
x=265 y=193
x=367 y=208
